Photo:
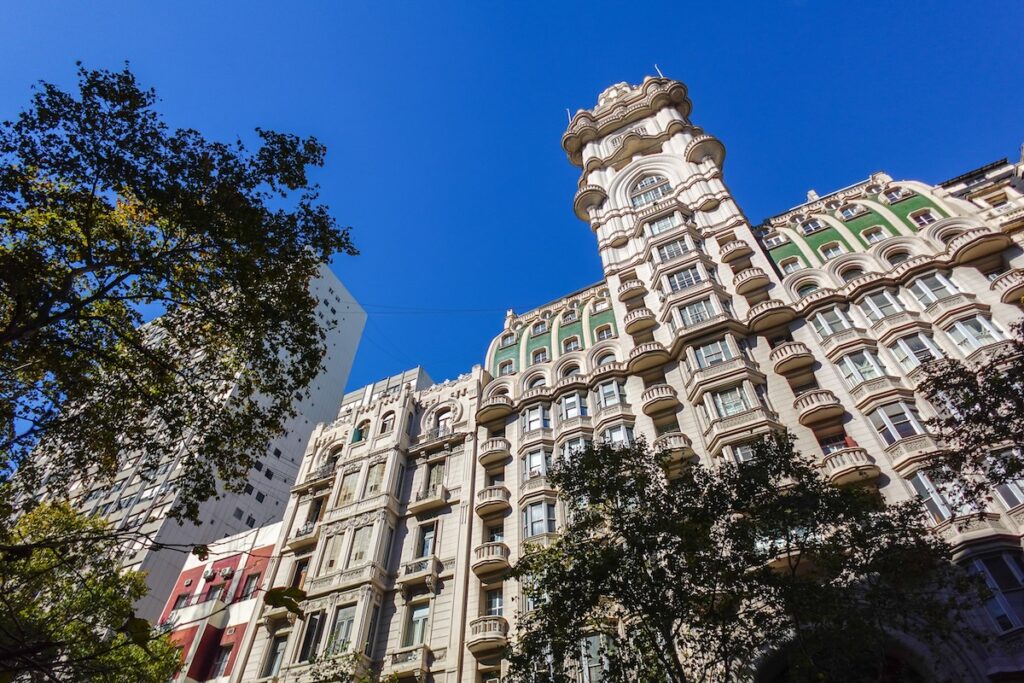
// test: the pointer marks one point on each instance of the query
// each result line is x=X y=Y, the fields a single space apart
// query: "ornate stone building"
x=705 y=333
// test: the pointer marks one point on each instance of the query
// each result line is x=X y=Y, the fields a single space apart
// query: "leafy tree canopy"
x=981 y=422
x=66 y=609
x=707 y=575
x=108 y=216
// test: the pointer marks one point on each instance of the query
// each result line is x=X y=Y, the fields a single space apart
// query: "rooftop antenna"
x=568 y=115
x=659 y=71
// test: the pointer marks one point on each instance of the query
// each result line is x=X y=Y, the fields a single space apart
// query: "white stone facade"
x=702 y=336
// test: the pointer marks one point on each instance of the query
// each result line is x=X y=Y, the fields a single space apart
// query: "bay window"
x=688 y=277
x=730 y=401
x=896 y=421
x=572 y=406
x=830 y=321
x=931 y=288
x=914 y=349
x=538 y=518
x=672 y=250
x=618 y=435
x=536 y=464
x=931 y=497
x=537 y=417
x=713 y=353
x=881 y=305
x=573 y=445
x=610 y=394
x=1004 y=575
x=696 y=312
x=973 y=333
x=860 y=366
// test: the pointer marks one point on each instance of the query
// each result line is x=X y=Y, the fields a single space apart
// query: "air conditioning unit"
x=227 y=572
x=209 y=574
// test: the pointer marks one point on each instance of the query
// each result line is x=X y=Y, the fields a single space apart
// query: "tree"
x=981 y=421
x=707 y=574
x=108 y=218
x=68 y=609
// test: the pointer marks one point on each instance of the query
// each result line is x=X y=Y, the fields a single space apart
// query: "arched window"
x=852 y=273
x=832 y=250
x=505 y=368
x=387 y=423
x=874 y=234
x=604 y=332
x=571 y=371
x=806 y=288
x=649 y=190
x=897 y=257
x=570 y=316
x=536 y=382
x=606 y=359
x=541 y=327
x=571 y=344
x=361 y=431
x=923 y=218
x=948 y=236
x=507 y=339
x=540 y=356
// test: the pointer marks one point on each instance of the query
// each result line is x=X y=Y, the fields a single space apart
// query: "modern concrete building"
x=704 y=334
x=133 y=502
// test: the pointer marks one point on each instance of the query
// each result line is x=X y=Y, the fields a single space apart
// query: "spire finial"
x=568 y=115
x=659 y=71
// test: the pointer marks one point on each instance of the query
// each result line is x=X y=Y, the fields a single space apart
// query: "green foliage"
x=981 y=421
x=108 y=217
x=66 y=609
x=288 y=597
x=709 y=574
x=346 y=667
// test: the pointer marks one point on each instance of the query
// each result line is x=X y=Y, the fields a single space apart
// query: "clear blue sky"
x=443 y=120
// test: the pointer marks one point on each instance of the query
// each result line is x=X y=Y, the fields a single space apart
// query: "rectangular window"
x=912 y=350
x=688 y=277
x=860 y=366
x=934 y=502
x=1011 y=493
x=662 y=225
x=249 y=587
x=774 y=240
x=712 y=354
x=572 y=445
x=220 y=662
x=931 y=288
x=536 y=418
x=609 y=394
x=1004 y=575
x=573 y=405
x=275 y=657
x=425 y=542
x=973 y=333
x=831 y=444
x=416 y=626
x=538 y=518
x=828 y=322
x=360 y=544
x=592 y=667
x=742 y=453
x=618 y=435
x=347 y=494
x=830 y=251
x=494 y=600
x=880 y=305
x=374 y=480
x=696 y=312
x=536 y=464
x=896 y=421
x=672 y=250
x=341 y=630
x=311 y=638
x=371 y=631
x=731 y=401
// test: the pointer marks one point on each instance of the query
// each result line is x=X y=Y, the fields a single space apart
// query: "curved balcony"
x=735 y=250
x=976 y=243
x=493 y=451
x=616 y=239
x=630 y=289
x=639 y=320
x=648 y=355
x=835 y=345
x=750 y=280
x=791 y=357
x=744 y=425
x=658 y=398
x=850 y=466
x=707 y=378
x=817 y=405
x=586 y=198
x=678 y=448
x=307 y=534
x=946 y=309
x=487 y=635
x=489 y=558
x=493 y=500
x=1010 y=286
x=494 y=408
x=536 y=485
x=769 y=314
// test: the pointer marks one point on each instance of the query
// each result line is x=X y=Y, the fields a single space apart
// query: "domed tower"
x=681 y=262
